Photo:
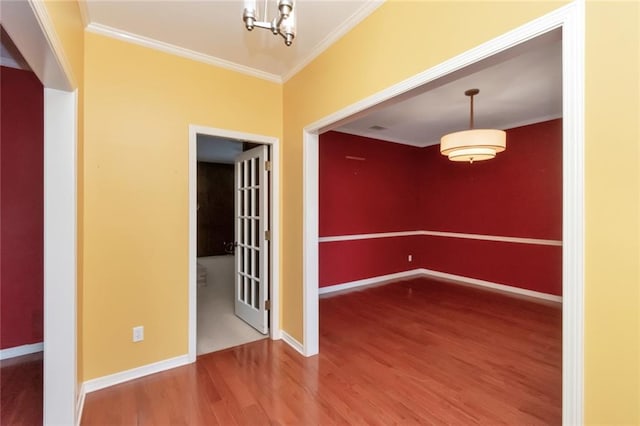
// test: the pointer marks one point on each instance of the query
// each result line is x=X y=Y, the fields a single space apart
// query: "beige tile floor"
x=217 y=325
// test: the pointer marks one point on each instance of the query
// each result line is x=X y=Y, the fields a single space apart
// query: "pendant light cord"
x=471 y=93
x=471 y=114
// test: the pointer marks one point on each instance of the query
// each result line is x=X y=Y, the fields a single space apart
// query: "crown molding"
x=344 y=28
x=179 y=51
x=84 y=13
x=402 y=141
x=367 y=9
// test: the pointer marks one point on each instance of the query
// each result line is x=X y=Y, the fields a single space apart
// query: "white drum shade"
x=473 y=145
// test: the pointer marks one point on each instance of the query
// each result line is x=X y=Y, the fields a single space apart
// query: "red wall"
x=21 y=208
x=517 y=194
x=372 y=195
x=376 y=194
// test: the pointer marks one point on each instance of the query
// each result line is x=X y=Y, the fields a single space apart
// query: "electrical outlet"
x=410 y=258
x=138 y=334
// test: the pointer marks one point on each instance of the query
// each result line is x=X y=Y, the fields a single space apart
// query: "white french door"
x=252 y=226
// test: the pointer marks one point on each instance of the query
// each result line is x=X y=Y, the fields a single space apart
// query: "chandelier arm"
x=288 y=38
x=262 y=24
x=275 y=26
x=278 y=21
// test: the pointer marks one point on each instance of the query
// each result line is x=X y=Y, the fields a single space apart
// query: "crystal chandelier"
x=284 y=24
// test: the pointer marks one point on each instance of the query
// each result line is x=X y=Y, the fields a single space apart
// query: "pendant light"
x=473 y=144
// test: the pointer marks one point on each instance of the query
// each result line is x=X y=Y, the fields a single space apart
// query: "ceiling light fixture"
x=284 y=24
x=473 y=144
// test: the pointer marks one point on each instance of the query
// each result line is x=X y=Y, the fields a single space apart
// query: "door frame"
x=274 y=211
x=31 y=29
x=570 y=18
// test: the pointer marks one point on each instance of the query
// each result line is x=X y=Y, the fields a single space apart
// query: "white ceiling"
x=213 y=30
x=520 y=86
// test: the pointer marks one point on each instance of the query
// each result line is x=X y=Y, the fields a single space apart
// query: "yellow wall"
x=65 y=16
x=139 y=103
x=138 y=106
x=612 y=213
x=403 y=38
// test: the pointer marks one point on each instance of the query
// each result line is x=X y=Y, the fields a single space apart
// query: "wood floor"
x=417 y=351
x=21 y=390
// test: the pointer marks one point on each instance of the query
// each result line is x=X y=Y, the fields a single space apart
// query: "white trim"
x=354 y=237
x=15 y=351
x=505 y=288
x=42 y=15
x=289 y=340
x=358 y=16
x=107 y=31
x=274 y=143
x=31 y=30
x=369 y=281
x=60 y=236
x=573 y=224
x=134 y=373
x=80 y=404
x=571 y=19
x=413 y=142
x=193 y=243
x=310 y=256
x=84 y=13
x=429 y=273
x=498 y=238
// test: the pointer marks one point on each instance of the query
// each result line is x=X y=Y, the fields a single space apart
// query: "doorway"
x=570 y=19
x=21 y=283
x=31 y=29
x=233 y=239
x=232 y=282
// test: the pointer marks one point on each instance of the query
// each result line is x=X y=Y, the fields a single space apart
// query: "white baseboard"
x=459 y=279
x=369 y=281
x=135 y=373
x=80 y=404
x=21 y=350
x=289 y=340
x=488 y=284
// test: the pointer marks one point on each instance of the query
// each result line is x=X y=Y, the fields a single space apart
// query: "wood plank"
x=416 y=351
x=21 y=390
